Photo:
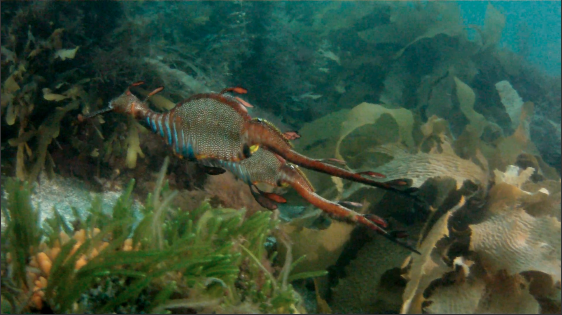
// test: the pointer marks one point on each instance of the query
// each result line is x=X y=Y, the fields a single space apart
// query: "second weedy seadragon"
x=218 y=126
x=268 y=168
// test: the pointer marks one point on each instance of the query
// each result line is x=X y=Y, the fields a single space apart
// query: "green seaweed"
x=22 y=228
x=194 y=256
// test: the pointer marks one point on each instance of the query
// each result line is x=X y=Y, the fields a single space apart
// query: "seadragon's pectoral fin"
x=211 y=170
x=265 y=199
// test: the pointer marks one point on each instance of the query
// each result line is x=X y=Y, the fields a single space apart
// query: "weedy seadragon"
x=216 y=130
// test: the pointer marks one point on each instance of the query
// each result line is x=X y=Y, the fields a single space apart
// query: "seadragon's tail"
x=340 y=212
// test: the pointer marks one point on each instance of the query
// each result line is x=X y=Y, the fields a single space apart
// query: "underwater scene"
x=183 y=157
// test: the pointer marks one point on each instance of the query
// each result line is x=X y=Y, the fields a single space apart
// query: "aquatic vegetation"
x=409 y=25
x=469 y=280
x=132 y=42
x=196 y=256
x=460 y=229
x=349 y=294
x=493 y=265
x=18 y=102
x=405 y=89
x=43 y=84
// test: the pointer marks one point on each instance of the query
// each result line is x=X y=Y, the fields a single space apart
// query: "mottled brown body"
x=266 y=167
x=201 y=127
x=217 y=126
x=216 y=130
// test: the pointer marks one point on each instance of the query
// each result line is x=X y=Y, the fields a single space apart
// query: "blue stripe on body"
x=191 y=148
x=167 y=122
x=244 y=176
x=148 y=121
x=176 y=137
x=183 y=144
x=236 y=169
x=187 y=149
x=153 y=124
x=190 y=152
x=160 y=126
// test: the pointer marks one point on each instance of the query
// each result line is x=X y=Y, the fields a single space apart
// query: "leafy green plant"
x=195 y=256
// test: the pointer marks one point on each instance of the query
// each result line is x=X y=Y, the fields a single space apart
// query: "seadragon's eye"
x=254 y=148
